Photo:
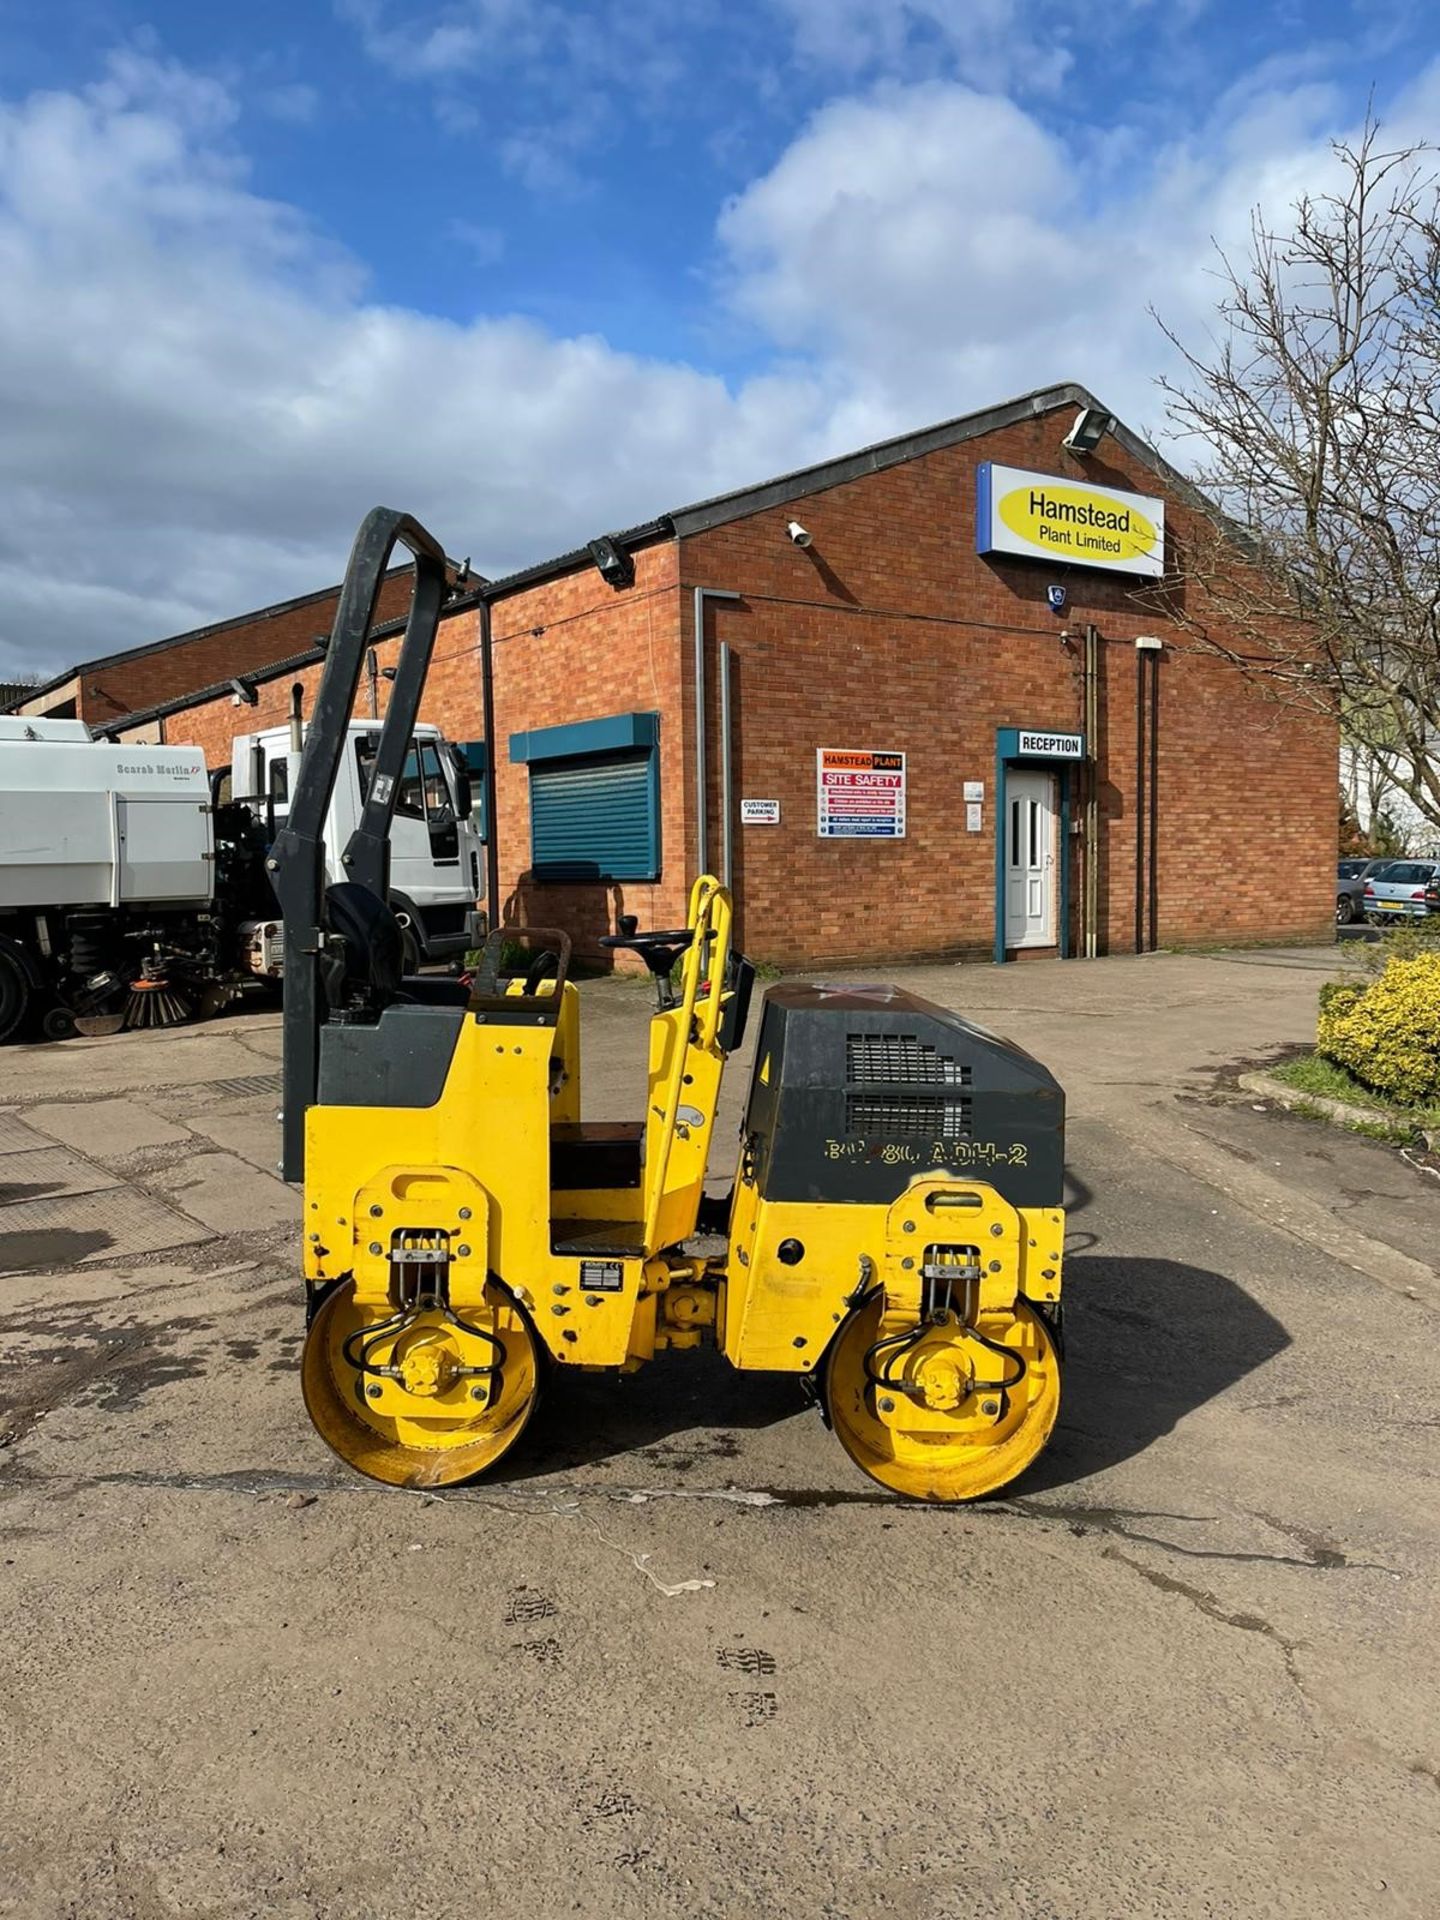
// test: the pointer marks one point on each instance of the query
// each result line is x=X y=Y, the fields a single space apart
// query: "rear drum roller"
x=940 y=1413
x=425 y=1399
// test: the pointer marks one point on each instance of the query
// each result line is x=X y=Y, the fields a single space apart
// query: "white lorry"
x=133 y=885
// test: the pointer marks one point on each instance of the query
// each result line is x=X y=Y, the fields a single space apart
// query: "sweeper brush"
x=154 y=1002
x=894 y=1231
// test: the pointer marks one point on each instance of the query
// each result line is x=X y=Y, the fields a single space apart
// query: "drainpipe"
x=492 y=825
x=1090 y=906
x=297 y=724
x=1154 y=928
x=702 y=842
x=372 y=681
x=727 y=871
x=1139 y=803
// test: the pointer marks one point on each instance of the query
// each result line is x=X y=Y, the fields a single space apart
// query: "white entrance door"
x=1030 y=834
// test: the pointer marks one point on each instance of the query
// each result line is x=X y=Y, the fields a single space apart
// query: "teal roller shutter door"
x=595 y=818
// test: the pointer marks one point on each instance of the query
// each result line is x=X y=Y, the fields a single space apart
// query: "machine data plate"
x=602 y=1276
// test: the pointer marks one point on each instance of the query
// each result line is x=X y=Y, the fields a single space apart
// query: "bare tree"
x=1316 y=406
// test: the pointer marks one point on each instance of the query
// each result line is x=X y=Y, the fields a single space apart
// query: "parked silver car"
x=1397 y=891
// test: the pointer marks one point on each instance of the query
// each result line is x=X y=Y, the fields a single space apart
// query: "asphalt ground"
x=680 y=1657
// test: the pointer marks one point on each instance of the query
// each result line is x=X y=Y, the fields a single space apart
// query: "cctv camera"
x=799 y=534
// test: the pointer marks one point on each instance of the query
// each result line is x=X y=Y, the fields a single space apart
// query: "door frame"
x=1008 y=754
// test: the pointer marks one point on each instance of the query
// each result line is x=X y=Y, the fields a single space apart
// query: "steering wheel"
x=659 y=950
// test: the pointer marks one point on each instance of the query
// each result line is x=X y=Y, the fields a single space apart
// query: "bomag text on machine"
x=894 y=1230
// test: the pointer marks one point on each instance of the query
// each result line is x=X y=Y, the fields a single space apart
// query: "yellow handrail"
x=709 y=917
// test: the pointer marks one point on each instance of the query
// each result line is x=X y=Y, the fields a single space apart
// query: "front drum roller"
x=939 y=1413
x=425 y=1399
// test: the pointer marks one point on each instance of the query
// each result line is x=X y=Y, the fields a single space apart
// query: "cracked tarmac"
x=680 y=1659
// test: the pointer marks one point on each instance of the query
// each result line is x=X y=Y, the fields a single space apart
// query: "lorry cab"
x=435 y=842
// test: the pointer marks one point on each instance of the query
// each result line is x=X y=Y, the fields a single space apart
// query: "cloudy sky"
x=534 y=269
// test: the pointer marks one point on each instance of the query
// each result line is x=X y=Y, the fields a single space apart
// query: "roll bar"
x=296 y=861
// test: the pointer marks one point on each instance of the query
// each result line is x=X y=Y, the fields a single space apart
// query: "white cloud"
x=484 y=243
x=992 y=41
x=450 y=38
x=293 y=102
x=200 y=402
x=201 y=398
x=944 y=249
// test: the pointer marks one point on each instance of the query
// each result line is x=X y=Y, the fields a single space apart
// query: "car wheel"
x=1344 y=909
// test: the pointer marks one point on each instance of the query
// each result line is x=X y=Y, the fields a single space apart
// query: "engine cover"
x=855 y=1090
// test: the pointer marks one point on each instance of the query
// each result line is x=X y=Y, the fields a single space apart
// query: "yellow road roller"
x=894 y=1232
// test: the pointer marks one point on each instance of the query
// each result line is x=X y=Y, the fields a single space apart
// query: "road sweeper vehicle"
x=134 y=889
x=894 y=1231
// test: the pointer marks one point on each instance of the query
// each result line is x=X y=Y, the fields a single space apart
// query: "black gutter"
x=645 y=535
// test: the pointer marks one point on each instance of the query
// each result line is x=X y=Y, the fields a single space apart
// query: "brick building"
x=959 y=711
x=169 y=670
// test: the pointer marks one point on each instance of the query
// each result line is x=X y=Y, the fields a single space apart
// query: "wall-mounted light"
x=243 y=694
x=1090 y=428
x=612 y=562
x=387 y=673
x=1149 y=643
x=800 y=535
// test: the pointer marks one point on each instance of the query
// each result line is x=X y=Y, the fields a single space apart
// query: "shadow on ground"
x=679 y=1411
x=1147 y=1342
x=50 y=1247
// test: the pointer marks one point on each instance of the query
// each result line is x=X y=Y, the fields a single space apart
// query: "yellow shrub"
x=1388 y=1033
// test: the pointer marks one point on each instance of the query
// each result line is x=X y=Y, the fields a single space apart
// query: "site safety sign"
x=860 y=793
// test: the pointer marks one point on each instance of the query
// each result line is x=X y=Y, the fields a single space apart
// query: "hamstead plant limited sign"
x=1044 y=517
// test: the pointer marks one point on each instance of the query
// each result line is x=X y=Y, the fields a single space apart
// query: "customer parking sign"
x=860 y=793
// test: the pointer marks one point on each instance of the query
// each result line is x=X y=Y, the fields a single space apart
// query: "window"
x=365 y=746
x=419 y=779
x=594 y=798
x=422 y=793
